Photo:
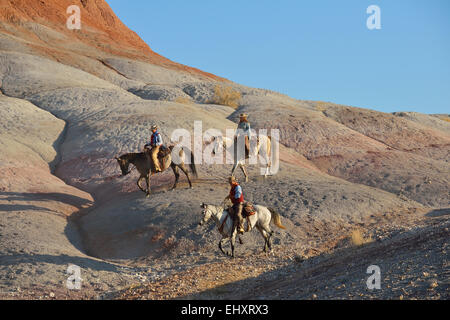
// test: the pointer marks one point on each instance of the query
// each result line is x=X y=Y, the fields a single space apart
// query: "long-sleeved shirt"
x=156 y=139
x=238 y=192
x=236 y=195
x=245 y=127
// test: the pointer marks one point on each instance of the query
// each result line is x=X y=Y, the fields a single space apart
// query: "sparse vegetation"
x=227 y=96
x=321 y=105
x=183 y=100
x=445 y=119
x=358 y=238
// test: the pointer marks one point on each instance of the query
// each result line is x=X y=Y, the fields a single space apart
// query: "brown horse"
x=144 y=164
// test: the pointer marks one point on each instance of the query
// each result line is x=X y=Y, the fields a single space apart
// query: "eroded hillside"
x=73 y=100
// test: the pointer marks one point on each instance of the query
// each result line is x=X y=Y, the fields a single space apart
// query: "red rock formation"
x=101 y=30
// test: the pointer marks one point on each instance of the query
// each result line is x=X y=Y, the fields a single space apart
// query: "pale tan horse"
x=263 y=148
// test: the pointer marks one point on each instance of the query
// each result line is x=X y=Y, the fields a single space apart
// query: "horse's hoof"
x=147 y=195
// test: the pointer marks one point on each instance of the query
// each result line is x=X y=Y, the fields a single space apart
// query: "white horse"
x=262 y=148
x=261 y=220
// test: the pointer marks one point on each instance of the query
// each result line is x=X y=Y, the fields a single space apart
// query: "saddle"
x=248 y=210
x=162 y=153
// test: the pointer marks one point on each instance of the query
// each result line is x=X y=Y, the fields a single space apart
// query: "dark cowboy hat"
x=243 y=115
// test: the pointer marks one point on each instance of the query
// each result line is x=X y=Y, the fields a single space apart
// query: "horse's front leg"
x=266 y=172
x=139 y=183
x=147 y=181
x=268 y=166
x=233 y=242
x=221 y=246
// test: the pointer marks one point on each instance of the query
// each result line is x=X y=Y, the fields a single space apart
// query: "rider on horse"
x=237 y=198
x=244 y=129
x=155 y=144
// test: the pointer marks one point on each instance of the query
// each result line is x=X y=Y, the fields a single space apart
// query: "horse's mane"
x=131 y=155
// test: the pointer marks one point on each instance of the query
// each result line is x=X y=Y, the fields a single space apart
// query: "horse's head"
x=124 y=165
x=216 y=144
x=219 y=142
x=206 y=212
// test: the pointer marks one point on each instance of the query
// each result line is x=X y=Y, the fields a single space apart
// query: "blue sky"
x=312 y=50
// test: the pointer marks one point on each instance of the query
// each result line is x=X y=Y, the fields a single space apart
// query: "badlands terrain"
x=355 y=187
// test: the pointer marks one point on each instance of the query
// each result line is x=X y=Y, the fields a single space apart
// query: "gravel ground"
x=413 y=262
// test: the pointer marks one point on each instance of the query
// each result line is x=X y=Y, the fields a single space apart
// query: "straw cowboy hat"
x=232 y=179
x=154 y=126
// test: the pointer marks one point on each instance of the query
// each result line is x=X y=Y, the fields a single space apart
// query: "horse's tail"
x=276 y=218
x=192 y=164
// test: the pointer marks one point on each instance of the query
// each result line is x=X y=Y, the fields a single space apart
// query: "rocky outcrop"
x=40 y=27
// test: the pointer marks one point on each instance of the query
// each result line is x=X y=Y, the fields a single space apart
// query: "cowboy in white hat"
x=244 y=129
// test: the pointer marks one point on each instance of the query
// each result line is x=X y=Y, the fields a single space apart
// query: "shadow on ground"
x=63 y=260
x=439 y=212
x=412 y=265
x=69 y=199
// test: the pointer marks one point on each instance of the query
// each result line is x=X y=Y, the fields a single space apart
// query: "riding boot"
x=236 y=223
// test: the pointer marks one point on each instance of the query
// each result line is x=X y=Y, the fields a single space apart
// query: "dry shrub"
x=158 y=236
x=226 y=96
x=183 y=100
x=445 y=119
x=170 y=242
x=358 y=238
x=321 y=105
